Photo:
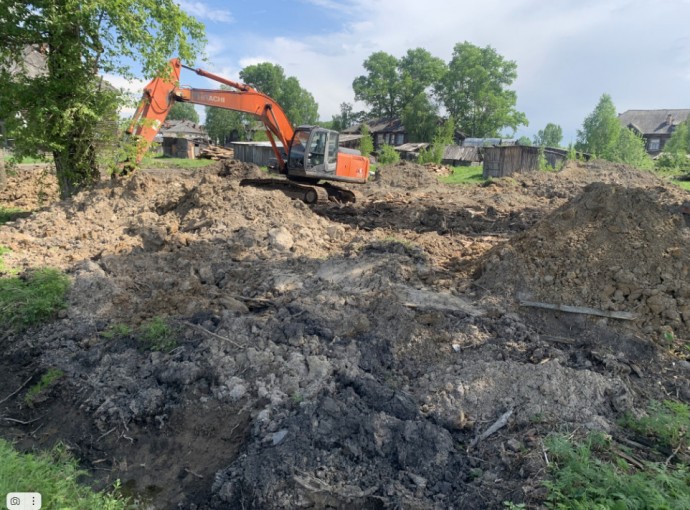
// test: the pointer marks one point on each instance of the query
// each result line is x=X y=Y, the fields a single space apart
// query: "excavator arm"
x=162 y=92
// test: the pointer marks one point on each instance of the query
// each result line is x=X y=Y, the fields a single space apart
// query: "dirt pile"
x=611 y=248
x=30 y=187
x=405 y=175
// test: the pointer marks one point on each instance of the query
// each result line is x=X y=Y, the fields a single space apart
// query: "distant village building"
x=182 y=139
x=259 y=153
x=655 y=126
x=506 y=160
x=383 y=132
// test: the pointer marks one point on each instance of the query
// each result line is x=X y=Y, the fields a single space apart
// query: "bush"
x=388 y=155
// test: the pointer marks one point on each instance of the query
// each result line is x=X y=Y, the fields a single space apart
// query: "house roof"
x=458 y=153
x=181 y=128
x=411 y=147
x=651 y=122
x=483 y=142
x=378 y=126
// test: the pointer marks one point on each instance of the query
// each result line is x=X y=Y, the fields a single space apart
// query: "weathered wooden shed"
x=259 y=153
x=502 y=161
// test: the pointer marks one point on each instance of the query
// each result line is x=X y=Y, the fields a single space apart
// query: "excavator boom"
x=313 y=153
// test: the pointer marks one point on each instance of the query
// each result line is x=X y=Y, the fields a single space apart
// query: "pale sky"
x=568 y=52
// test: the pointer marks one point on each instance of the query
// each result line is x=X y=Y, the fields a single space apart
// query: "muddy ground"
x=345 y=356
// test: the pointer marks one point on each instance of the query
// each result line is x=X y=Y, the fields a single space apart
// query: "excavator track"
x=309 y=194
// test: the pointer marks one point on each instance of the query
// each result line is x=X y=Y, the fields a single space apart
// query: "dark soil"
x=345 y=356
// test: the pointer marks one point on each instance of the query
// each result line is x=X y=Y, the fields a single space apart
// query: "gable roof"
x=651 y=122
x=181 y=128
x=378 y=126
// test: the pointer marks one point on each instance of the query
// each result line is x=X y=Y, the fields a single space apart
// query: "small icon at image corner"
x=24 y=501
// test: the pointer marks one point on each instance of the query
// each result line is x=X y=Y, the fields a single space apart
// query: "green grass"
x=55 y=474
x=31 y=298
x=47 y=380
x=118 y=330
x=164 y=162
x=464 y=175
x=599 y=474
x=27 y=160
x=11 y=214
x=157 y=335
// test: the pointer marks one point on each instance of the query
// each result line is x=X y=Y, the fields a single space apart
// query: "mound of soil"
x=611 y=248
x=405 y=175
x=30 y=187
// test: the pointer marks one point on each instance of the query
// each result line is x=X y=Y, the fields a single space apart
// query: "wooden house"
x=505 y=160
x=655 y=126
x=383 y=132
x=182 y=139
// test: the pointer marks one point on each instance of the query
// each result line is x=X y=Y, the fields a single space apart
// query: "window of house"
x=654 y=144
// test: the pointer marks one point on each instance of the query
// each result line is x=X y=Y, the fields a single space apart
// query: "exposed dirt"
x=346 y=356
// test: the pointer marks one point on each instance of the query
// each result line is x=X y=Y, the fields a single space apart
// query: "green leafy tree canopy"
x=298 y=104
x=603 y=136
x=61 y=108
x=475 y=91
x=183 y=111
x=550 y=136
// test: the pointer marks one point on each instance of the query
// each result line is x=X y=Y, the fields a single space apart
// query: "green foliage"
x=676 y=150
x=297 y=103
x=67 y=109
x=11 y=214
x=589 y=476
x=603 y=136
x=550 y=136
x=397 y=88
x=158 y=335
x=31 y=298
x=444 y=136
x=464 y=175
x=388 y=155
x=54 y=474
x=166 y=162
x=475 y=91
x=667 y=423
x=524 y=140
x=46 y=381
x=118 y=330
x=183 y=111
x=346 y=118
x=366 y=143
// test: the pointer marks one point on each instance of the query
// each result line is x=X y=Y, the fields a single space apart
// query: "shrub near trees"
x=603 y=136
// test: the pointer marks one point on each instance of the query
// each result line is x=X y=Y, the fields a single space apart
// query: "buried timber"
x=228 y=347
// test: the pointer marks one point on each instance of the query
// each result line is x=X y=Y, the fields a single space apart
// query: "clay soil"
x=344 y=356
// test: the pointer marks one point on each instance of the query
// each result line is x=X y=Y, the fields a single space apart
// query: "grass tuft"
x=11 y=214
x=47 y=380
x=158 y=335
x=31 y=298
x=54 y=474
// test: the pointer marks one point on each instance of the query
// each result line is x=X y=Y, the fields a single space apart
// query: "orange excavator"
x=308 y=156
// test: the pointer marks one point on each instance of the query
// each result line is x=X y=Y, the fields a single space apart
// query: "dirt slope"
x=346 y=356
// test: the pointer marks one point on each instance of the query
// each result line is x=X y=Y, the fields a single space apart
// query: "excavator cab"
x=313 y=153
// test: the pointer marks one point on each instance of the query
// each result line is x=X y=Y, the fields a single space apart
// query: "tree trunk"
x=76 y=168
x=3 y=170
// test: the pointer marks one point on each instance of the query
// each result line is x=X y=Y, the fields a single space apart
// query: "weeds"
x=11 y=214
x=596 y=474
x=47 y=380
x=54 y=474
x=158 y=335
x=118 y=330
x=667 y=424
x=31 y=298
x=464 y=175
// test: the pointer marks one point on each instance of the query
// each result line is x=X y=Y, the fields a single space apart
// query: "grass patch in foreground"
x=31 y=298
x=165 y=162
x=11 y=214
x=464 y=175
x=599 y=474
x=55 y=475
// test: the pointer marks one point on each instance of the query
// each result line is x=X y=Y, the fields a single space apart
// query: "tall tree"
x=550 y=136
x=475 y=91
x=60 y=108
x=221 y=124
x=297 y=103
x=419 y=72
x=346 y=118
x=603 y=136
x=420 y=118
x=380 y=87
x=183 y=111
